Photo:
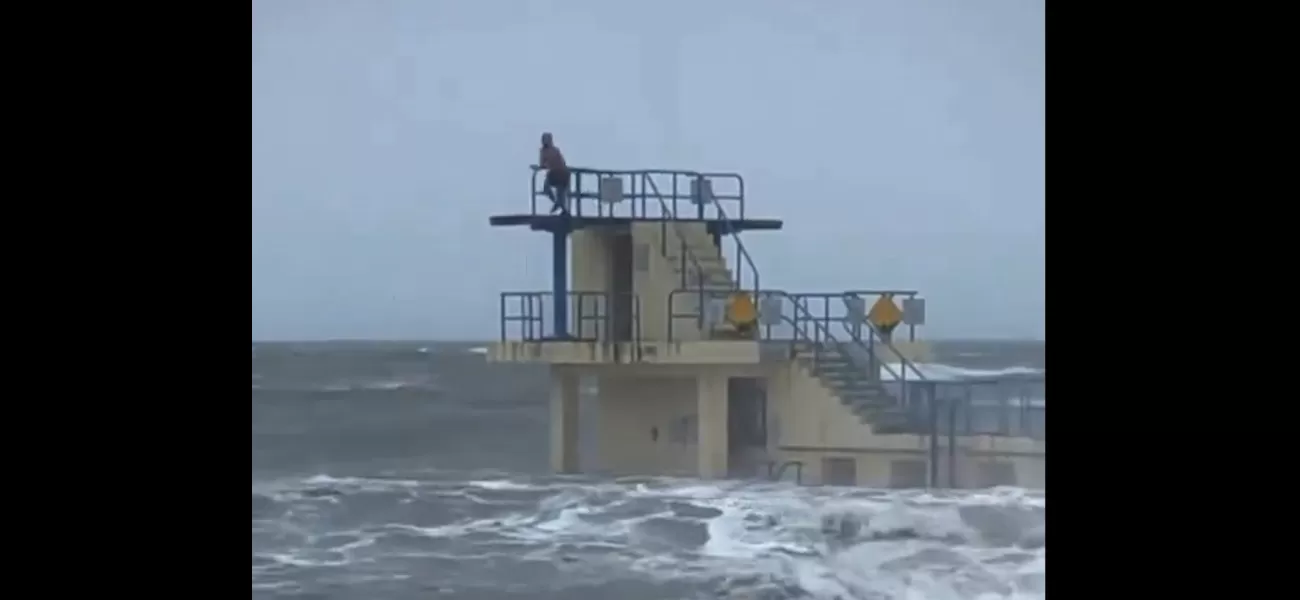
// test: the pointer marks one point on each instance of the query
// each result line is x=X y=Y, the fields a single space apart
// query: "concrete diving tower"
x=700 y=370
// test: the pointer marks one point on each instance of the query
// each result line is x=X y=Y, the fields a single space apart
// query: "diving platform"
x=697 y=368
x=619 y=198
x=553 y=222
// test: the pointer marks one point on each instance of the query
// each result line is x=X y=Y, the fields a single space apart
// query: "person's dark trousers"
x=557 y=189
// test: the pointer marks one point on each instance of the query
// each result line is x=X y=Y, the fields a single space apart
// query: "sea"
x=404 y=470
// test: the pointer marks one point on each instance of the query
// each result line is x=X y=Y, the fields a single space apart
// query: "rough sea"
x=418 y=470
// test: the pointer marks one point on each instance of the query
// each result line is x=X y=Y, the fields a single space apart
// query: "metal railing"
x=639 y=187
x=684 y=249
x=853 y=326
x=696 y=315
x=864 y=336
x=742 y=255
x=586 y=200
x=767 y=332
x=595 y=317
x=1004 y=406
x=815 y=330
x=776 y=471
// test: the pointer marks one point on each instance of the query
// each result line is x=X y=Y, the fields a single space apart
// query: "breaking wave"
x=942 y=372
x=673 y=538
x=355 y=384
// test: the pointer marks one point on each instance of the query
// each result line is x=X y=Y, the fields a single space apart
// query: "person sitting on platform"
x=557 y=174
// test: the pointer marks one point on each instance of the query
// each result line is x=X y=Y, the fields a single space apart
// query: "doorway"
x=747 y=427
x=621 y=287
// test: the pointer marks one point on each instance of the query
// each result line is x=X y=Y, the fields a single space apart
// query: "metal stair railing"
x=649 y=187
x=903 y=362
x=643 y=187
x=869 y=345
x=742 y=255
x=821 y=335
x=802 y=311
x=806 y=328
x=908 y=376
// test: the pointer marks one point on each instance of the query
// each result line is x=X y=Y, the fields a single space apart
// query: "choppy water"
x=417 y=471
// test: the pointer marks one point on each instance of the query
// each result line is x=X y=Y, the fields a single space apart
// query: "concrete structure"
x=701 y=371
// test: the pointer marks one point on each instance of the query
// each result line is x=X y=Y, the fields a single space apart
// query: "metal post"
x=560 y=279
x=952 y=443
x=933 y=417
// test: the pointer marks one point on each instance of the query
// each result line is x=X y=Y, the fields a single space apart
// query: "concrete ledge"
x=915 y=444
x=628 y=353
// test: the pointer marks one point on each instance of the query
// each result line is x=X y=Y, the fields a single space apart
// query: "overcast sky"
x=902 y=141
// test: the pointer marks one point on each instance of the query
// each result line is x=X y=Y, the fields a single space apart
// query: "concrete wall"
x=591 y=269
x=655 y=276
x=595 y=354
x=656 y=284
x=649 y=414
x=654 y=419
x=657 y=252
x=647 y=426
x=653 y=283
x=886 y=468
x=809 y=424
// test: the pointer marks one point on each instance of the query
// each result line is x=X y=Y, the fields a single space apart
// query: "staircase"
x=696 y=259
x=847 y=368
x=699 y=262
x=849 y=377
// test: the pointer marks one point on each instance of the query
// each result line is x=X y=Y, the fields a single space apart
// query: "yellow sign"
x=884 y=314
x=741 y=311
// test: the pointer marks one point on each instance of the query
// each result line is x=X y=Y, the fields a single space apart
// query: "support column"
x=560 y=281
x=564 y=422
x=711 y=398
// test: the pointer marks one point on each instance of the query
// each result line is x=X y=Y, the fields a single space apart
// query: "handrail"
x=848 y=356
x=529 y=315
x=854 y=333
x=577 y=192
x=741 y=252
x=668 y=212
x=776 y=472
x=875 y=334
x=821 y=334
x=821 y=331
x=903 y=360
x=649 y=183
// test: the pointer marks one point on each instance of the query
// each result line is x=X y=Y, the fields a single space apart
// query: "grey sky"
x=902 y=141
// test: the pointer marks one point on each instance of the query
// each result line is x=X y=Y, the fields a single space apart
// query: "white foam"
x=368 y=484
x=764 y=532
x=501 y=485
x=942 y=372
x=481 y=350
x=421 y=383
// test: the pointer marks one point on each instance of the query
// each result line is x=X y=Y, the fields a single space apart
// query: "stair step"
x=895 y=422
x=863 y=387
x=857 y=388
x=854 y=374
x=881 y=401
x=871 y=404
x=829 y=361
x=705 y=260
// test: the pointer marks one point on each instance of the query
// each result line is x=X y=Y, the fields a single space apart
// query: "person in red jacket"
x=557 y=174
